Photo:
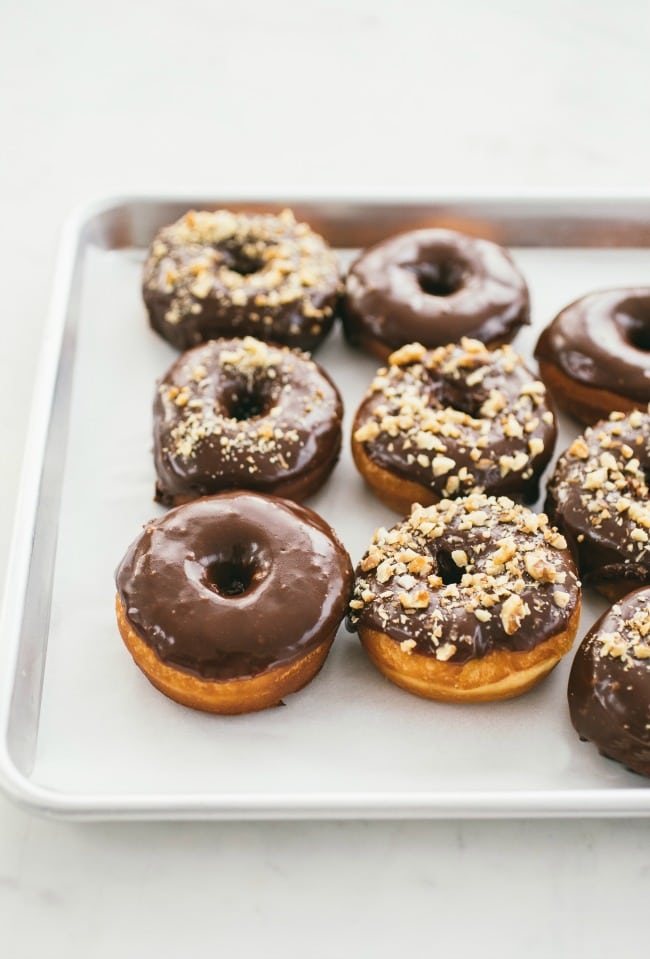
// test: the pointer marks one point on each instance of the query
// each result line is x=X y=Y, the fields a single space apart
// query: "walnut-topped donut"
x=599 y=497
x=243 y=414
x=609 y=685
x=472 y=599
x=215 y=274
x=443 y=422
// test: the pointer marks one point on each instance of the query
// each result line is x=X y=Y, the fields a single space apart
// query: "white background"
x=209 y=97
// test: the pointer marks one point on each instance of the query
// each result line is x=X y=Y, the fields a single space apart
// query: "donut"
x=432 y=287
x=230 y=603
x=609 y=683
x=243 y=414
x=595 y=355
x=598 y=496
x=441 y=423
x=471 y=600
x=226 y=274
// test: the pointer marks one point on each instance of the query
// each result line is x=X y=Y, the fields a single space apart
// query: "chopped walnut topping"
x=503 y=572
x=445 y=651
x=513 y=612
x=503 y=555
x=555 y=539
x=626 y=635
x=417 y=600
x=442 y=465
x=384 y=572
x=192 y=260
x=421 y=429
x=539 y=567
x=635 y=418
x=483 y=615
x=602 y=482
x=194 y=415
x=369 y=431
x=411 y=353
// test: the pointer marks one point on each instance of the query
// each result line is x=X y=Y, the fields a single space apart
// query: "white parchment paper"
x=104 y=729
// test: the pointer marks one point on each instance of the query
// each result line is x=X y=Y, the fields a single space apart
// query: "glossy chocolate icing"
x=432 y=287
x=223 y=274
x=598 y=496
x=459 y=418
x=603 y=341
x=465 y=577
x=234 y=585
x=244 y=414
x=609 y=684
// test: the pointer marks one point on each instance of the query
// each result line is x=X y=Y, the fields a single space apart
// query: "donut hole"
x=462 y=399
x=232 y=574
x=247 y=400
x=639 y=336
x=237 y=259
x=441 y=278
x=448 y=571
x=634 y=317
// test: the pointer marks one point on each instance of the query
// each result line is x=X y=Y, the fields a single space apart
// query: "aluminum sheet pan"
x=83 y=734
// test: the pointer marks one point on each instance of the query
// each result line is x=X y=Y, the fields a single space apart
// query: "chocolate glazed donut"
x=433 y=287
x=598 y=496
x=470 y=600
x=609 y=685
x=444 y=422
x=215 y=274
x=595 y=355
x=242 y=414
x=231 y=602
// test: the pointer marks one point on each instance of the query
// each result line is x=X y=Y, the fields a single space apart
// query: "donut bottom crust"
x=226 y=697
x=395 y=492
x=502 y=674
x=588 y=404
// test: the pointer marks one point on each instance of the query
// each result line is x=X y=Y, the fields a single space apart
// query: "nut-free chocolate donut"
x=441 y=423
x=595 y=355
x=225 y=274
x=471 y=600
x=433 y=287
x=609 y=684
x=231 y=602
x=598 y=496
x=243 y=414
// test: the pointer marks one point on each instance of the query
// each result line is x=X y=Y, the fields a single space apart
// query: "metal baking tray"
x=83 y=734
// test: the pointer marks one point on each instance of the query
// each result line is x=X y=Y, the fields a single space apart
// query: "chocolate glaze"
x=587 y=493
x=603 y=341
x=253 y=416
x=432 y=287
x=437 y=533
x=609 y=684
x=470 y=395
x=221 y=274
x=234 y=585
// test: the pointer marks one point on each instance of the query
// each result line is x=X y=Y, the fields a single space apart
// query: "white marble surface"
x=120 y=97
